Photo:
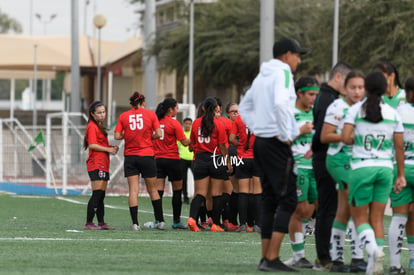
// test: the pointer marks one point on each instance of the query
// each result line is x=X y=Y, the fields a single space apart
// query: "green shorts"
x=306 y=186
x=407 y=193
x=368 y=184
x=339 y=169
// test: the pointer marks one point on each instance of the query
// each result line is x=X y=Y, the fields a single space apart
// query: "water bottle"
x=149 y=225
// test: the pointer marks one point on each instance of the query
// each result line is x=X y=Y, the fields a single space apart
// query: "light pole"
x=45 y=22
x=99 y=21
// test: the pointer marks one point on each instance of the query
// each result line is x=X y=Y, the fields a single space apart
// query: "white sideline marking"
x=119 y=240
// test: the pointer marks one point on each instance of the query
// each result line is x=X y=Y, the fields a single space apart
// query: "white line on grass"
x=26 y=239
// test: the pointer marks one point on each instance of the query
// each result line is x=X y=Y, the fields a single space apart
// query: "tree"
x=8 y=24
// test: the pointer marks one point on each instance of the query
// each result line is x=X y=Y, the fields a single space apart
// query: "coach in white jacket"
x=267 y=109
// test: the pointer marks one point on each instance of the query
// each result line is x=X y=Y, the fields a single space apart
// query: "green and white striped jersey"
x=335 y=115
x=406 y=112
x=397 y=100
x=303 y=143
x=373 y=141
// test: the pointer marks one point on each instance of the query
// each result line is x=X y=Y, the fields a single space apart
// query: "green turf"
x=34 y=240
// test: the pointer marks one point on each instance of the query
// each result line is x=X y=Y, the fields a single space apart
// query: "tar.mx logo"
x=219 y=160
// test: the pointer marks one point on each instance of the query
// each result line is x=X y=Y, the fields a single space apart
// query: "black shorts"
x=98 y=175
x=135 y=165
x=171 y=168
x=248 y=169
x=204 y=165
x=232 y=151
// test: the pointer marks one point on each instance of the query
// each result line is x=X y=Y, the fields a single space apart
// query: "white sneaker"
x=136 y=227
x=159 y=225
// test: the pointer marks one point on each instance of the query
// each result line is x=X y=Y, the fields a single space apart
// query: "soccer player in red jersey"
x=96 y=139
x=248 y=176
x=138 y=127
x=167 y=156
x=209 y=138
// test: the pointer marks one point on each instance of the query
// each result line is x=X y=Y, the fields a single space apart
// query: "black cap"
x=287 y=44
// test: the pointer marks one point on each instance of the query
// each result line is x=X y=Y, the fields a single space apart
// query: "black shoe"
x=274 y=266
x=303 y=263
x=338 y=266
x=395 y=270
x=358 y=265
x=186 y=201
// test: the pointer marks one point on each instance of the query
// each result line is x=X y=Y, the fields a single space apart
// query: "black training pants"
x=279 y=197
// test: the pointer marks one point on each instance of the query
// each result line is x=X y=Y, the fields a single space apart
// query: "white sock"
x=395 y=238
x=298 y=246
x=338 y=241
x=357 y=252
x=367 y=237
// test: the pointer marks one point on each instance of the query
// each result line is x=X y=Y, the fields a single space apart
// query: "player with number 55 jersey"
x=138 y=127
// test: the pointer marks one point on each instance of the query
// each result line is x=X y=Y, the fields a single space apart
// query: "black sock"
x=92 y=206
x=161 y=193
x=133 y=211
x=176 y=205
x=226 y=208
x=203 y=213
x=195 y=206
x=251 y=210
x=217 y=207
x=243 y=207
x=158 y=214
x=209 y=213
x=258 y=208
x=100 y=212
x=234 y=206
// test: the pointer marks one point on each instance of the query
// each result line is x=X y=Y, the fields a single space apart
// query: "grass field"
x=44 y=235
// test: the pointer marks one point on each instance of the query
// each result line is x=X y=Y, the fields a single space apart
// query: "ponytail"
x=207 y=122
x=163 y=107
x=375 y=85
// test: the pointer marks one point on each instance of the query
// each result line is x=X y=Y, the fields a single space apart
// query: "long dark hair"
x=409 y=89
x=375 y=85
x=136 y=100
x=162 y=108
x=92 y=110
x=389 y=68
x=207 y=122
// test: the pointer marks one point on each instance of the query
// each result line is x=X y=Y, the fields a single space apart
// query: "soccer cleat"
x=274 y=266
x=358 y=265
x=338 y=266
x=257 y=229
x=318 y=266
x=192 y=225
x=136 y=227
x=104 y=226
x=242 y=229
x=91 y=226
x=232 y=227
x=395 y=270
x=204 y=226
x=216 y=228
x=210 y=221
x=301 y=263
x=411 y=265
x=159 y=225
x=249 y=229
x=178 y=225
x=375 y=263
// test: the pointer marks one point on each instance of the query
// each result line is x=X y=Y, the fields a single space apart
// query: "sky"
x=122 y=20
